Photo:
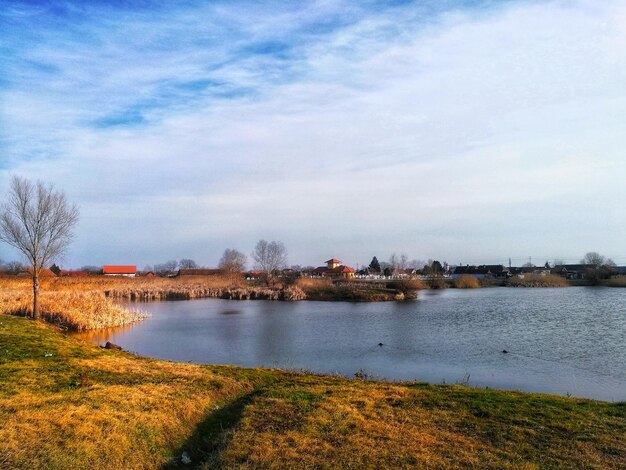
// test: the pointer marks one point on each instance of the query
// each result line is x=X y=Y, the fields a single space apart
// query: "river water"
x=569 y=341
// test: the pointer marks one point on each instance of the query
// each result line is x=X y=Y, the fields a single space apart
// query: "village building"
x=124 y=271
x=572 y=271
x=334 y=270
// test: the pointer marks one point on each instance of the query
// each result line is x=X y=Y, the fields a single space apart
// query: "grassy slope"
x=84 y=407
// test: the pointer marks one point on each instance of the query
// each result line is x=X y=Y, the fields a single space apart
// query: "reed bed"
x=537 y=280
x=466 y=281
x=75 y=311
x=310 y=283
x=201 y=292
x=88 y=302
x=619 y=281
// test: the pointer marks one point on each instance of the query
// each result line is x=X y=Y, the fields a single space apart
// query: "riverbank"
x=85 y=303
x=65 y=403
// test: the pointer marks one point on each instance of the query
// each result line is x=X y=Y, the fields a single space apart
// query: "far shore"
x=83 y=303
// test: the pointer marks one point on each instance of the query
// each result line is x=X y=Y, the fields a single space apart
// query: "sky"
x=465 y=131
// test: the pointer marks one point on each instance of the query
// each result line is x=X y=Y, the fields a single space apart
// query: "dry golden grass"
x=537 y=280
x=68 y=404
x=75 y=311
x=83 y=303
x=309 y=283
x=619 y=281
x=466 y=281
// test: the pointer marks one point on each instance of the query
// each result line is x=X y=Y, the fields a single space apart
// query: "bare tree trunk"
x=36 y=297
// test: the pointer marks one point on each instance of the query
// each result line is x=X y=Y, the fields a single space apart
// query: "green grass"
x=65 y=403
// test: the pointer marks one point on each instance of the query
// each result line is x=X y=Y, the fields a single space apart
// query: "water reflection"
x=102 y=335
x=231 y=311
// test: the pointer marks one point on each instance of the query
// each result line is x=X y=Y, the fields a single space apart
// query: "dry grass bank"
x=83 y=303
x=68 y=404
x=537 y=280
x=77 y=311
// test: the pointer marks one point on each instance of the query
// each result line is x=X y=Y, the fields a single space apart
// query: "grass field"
x=68 y=404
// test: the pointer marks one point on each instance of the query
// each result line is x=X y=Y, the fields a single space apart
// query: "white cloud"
x=467 y=135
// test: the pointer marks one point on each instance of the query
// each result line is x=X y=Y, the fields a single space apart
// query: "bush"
x=466 y=282
x=437 y=283
x=407 y=285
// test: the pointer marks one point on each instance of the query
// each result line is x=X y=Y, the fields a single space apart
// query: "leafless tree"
x=166 y=268
x=269 y=257
x=38 y=221
x=593 y=258
x=399 y=264
x=91 y=269
x=233 y=261
x=14 y=267
x=187 y=263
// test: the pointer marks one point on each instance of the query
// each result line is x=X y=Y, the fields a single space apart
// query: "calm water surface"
x=563 y=341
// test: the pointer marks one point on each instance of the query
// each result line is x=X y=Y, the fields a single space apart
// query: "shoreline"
x=88 y=303
x=148 y=413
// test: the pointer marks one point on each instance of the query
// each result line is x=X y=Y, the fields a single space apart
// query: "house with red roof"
x=125 y=271
x=334 y=270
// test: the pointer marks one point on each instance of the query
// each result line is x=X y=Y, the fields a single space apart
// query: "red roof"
x=343 y=269
x=119 y=270
x=321 y=269
x=332 y=260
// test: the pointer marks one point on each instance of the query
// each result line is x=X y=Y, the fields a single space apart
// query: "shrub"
x=466 y=282
x=437 y=283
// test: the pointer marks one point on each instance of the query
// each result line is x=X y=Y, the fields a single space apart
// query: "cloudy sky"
x=467 y=131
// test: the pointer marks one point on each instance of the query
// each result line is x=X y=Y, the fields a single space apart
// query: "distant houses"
x=573 y=271
x=485 y=271
x=497 y=271
x=123 y=271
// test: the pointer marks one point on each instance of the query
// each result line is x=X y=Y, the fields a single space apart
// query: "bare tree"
x=593 y=258
x=14 y=267
x=399 y=264
x=233 y=261
x=38 y=221
x=91 y=269
x=187 y=263
x=601 y=267
x=269 y=257
x=166 y=268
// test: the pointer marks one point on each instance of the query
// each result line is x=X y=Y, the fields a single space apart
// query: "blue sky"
x=468 y=131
